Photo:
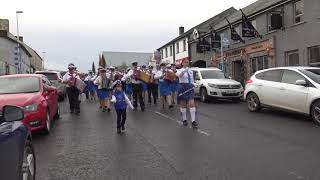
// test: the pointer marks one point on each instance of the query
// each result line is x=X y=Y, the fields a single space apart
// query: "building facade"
x=11 y=62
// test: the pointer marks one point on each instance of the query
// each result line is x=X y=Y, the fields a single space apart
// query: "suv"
x=290 y=88
x=56 y=80
x=212 y=83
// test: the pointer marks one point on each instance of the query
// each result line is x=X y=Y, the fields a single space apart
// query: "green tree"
x=93 y=68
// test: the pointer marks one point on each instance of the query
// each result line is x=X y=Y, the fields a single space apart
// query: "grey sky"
x=77 y=31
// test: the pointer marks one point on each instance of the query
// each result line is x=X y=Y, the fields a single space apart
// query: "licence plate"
x=230 y=92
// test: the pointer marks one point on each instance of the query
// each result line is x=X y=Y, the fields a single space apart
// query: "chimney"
x=4 y=25
x=181 y=30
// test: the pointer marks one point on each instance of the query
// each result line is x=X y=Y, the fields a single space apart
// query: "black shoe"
x=122 y=128
x=171 y=106
x=104 y=109
x=118 y=130
x=109 y=109
x=77 y=113
x=195 y=124
x=71 y=111
x=185 y=123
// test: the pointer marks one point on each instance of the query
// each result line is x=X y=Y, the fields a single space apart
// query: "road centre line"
x=179 y=122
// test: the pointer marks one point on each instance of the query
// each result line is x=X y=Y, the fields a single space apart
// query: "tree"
x=102 y=61
x=93 y=68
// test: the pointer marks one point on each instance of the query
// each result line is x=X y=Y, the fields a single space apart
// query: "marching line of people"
x=136 y=85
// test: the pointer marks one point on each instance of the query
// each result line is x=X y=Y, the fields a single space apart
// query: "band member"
x=90 y=86
x=103 y=83
x=121 y=101
x=144 y=85
x=164 y=86
x=136 y=86
x=152 y=86
x=174 y=85
x=70 y=79
x=128 y=84
x=186 y=93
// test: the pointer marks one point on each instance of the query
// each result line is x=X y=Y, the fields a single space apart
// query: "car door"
x=51 y=97
x=10 y=150
x=269 y=87
x=293 y=97
x=197 y=81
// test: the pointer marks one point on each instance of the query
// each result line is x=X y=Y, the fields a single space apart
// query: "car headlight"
x=213 y=85
x=32 y=107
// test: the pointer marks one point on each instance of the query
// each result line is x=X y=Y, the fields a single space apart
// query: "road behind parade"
x=230 y=143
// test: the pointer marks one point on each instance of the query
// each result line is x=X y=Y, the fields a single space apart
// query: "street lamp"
x=18 y=44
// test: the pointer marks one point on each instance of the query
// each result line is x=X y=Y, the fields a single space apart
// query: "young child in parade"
x=103 y=83
x=164 y=86
x=128 y=87
x=174 y=85
x=186 y=93
x=121 y=101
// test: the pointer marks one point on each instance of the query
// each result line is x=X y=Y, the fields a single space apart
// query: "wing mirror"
x=301 y=83
x=12 y=113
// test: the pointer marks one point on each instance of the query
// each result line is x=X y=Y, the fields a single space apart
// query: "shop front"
x=241 y=63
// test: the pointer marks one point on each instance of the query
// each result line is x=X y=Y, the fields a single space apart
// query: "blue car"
x=17 y=157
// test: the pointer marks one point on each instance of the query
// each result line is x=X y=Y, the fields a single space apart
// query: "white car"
x=291 y=88
x=56 y=80
x=212 y=83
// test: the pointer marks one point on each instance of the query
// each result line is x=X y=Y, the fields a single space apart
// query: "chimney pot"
x=181 y=30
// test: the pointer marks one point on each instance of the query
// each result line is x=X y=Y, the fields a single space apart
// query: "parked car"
x=17 y=155
x=56 y=79
x=212 y=83
x=291 y=88
x=35 y=94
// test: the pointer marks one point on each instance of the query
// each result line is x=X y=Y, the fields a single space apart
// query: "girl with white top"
x=186 y=93
x=103 y=83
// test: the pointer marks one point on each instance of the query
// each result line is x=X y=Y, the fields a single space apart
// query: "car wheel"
x=236 y=100
x=28 y=165
x=253 y=102
x=48 y=124
x=315 y=112
x=203 y=95
x=57 y=115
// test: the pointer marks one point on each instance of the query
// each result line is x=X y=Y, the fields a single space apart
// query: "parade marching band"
x=175 y=84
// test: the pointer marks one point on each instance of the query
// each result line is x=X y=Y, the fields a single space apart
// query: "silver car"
x=56 y=80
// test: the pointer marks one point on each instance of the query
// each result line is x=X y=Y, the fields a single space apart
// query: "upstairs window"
x=170 y=50
x=184 y=45
x=177 y=45
x=166 y=52
x=298 y=11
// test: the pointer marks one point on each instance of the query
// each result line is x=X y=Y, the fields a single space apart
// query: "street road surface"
x=231 y=143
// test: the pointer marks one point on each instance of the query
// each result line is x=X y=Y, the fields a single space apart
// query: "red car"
x=37 y=97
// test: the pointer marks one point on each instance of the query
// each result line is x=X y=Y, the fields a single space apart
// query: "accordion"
x=145 y=77
x=170 y=76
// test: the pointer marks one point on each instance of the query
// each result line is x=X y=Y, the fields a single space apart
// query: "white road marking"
x=179 y=122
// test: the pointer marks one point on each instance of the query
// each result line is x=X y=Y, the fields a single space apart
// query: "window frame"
x=294 y=12
x=288 y=53
x=185 y=45
x=177 y=47
x=309 y=55
x=171 y=50
x=265 y=63
x=264 y=73
x=166 y=52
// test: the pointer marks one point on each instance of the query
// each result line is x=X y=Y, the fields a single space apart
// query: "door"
x=269 y=87
x=238 y=71
x=10 y=150
x=197 y=81
x=294 y=97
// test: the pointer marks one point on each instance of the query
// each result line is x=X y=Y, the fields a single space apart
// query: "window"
x=290 y=77
x=196 y=76
x=259 y=63
x=314 y=54
x=272 y=75
x=162 y=56
x=292 y=58
x=184 y=45
x=166 y=52
x=275 y=21
x=298 y=11
x=170 y=50
x=177 y=45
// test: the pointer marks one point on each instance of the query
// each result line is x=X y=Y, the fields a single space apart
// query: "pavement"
x=230 y=143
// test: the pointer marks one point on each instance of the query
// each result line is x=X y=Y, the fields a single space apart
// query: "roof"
x=215 y=19
x=249 y=10
x=118 y=58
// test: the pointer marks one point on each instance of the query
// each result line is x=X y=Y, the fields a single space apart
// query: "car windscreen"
x=16 y=85
x=50 y=76
x=212 y=74
x=313 y=74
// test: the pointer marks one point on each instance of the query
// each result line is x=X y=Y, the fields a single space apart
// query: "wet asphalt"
x=230 y=143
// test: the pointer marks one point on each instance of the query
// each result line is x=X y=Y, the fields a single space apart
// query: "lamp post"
x=18 y=44
x=43 y=56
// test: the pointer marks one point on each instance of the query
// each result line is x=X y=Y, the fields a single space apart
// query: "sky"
x=64 y=31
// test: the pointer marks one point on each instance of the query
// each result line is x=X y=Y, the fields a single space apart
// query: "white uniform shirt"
x=129 y=75
x=68 y=76
x=183 y=75
x=88 y=78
